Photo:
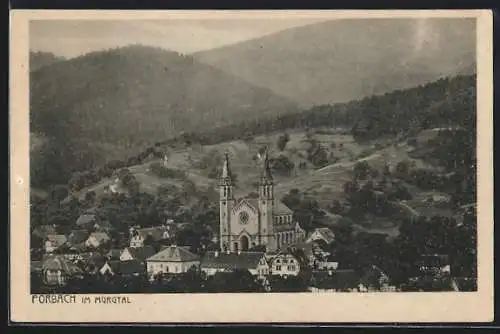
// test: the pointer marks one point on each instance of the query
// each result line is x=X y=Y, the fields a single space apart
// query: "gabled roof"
x=126 y=267
x=325 y=233
x=222 y=260
x=57 y=239
x=141 y=253
x=173 y=254
x=56 y=262
x=99 y=236
x=85 y=219
x=252 y=203
x=338 y=279
x=77 y=237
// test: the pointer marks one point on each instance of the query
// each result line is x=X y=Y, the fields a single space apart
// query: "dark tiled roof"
x=174 y=254
x=105 y=225
x=155 y=232
x=244 y=260
x=141 y=253
x=77 y=237
x=126 y=267
x=337 y=279
x=114 y=253
x=281 y=209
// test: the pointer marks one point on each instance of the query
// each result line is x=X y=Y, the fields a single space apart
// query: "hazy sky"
x=70 y=38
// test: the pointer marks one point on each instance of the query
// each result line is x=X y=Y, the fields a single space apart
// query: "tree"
x=282 y=165
x=282 y=141
x=403 y=167
x=361 y=170
x=90 y=197
x=59 y=192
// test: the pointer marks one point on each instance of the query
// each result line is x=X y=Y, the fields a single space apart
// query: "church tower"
x=226 y=203
x=266 y=205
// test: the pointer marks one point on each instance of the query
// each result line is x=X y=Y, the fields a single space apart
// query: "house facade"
x=97 y=239
x=254 y=262
x=171 y=260
x=56 y=270
x=284 y=265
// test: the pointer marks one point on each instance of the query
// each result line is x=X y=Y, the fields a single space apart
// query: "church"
x=250 y=222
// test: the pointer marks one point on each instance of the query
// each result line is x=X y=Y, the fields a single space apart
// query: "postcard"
x=251 y=166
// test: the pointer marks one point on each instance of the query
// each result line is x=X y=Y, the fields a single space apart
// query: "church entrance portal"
x=244 y=243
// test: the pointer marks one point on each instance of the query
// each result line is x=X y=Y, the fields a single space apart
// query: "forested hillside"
x=95 y=107
x=39 y=59
x=446 y=102
x=347 y=59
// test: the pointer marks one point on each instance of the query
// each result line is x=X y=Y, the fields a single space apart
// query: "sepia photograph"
x=286 y=154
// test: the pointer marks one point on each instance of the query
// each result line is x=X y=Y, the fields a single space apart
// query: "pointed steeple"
x=226 y=170
x=266 y=169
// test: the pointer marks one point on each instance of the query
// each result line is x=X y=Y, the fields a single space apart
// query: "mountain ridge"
x=131 y=96
x=343 y=60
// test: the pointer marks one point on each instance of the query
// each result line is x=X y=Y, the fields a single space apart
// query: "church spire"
x=226 y=170
x=266 y=169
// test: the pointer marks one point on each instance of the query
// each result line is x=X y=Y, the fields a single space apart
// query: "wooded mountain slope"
x=127 y=97
x=343 y=60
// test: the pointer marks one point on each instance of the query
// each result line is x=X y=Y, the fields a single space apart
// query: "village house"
x=345 y=280
x=171 y=260
x=323 y=234
x=125 y=269
x=138 y=236
x=139 y=254
x=284 y=264
x=254 y=262
x=97 y=239
x=56 y=270
x=54 y=242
